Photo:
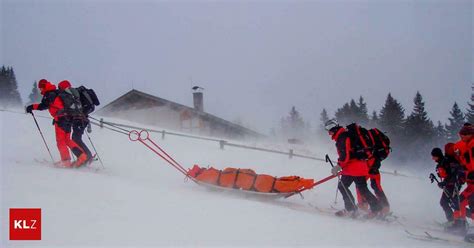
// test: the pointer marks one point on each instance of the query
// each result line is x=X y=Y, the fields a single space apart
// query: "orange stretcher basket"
x=248 y=180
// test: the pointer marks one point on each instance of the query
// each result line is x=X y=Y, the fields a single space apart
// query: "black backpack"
x=361 y=143
x=72 y=102
x=381 y=143
x=88 y=99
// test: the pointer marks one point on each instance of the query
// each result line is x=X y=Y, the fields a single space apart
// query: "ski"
x=389 y=218
x=48 y=163
x=426 y=236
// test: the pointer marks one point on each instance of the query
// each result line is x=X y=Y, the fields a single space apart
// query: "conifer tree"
x=418 y=124
x=470 y=110
x=392 y=117
x=420 y=133
x=441 y=134
x=293 y=126
x=374 y=119
x=35 y=95
x=456 y=121
x=9 y=96
x=362 y=112
x=4 y=87
x=343 y=115
x=323 y=118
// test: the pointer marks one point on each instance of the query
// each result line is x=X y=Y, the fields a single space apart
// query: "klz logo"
x=25 y=223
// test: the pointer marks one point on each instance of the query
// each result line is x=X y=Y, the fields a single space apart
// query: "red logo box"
x=25 y=223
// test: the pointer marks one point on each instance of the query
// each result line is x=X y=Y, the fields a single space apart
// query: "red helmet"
x=45 y=86
x=64 y=85
x=42 y=83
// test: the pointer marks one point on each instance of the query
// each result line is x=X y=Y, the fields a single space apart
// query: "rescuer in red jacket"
x=62 y=124
x=352 y=170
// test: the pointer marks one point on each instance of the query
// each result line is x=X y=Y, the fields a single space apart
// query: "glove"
x=441 y=185
x=336 y=169
x=29 y=109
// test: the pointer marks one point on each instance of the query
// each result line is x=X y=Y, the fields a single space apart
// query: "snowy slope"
x=139 y=200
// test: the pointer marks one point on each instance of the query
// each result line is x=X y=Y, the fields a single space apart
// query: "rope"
x=161 y=153
x=171 y=158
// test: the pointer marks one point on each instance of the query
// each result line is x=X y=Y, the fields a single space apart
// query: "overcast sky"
x=255 y=59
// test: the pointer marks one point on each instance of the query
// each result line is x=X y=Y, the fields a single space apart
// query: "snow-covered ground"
x=139 y=200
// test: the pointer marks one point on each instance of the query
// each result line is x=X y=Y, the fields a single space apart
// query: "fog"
x=139 y=200
x=255 y=59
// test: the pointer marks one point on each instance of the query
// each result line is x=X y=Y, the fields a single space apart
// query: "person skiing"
x=62 y=125
x=376 y=152
x=374 y=164
x=352 y=170
x=79 y=123
x=464 y=153
x=447 y=169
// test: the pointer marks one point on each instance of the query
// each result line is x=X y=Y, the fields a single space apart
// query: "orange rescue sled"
x=248 y=180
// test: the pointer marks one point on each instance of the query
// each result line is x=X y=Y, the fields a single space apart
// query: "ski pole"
x=433 y=178
x=328 y=159
x=41 y=133
x=95 y=150
x=346 y=190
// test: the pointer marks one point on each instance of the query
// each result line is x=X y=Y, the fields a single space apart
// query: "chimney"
x=198 y=101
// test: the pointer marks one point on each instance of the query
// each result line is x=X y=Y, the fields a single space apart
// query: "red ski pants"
x=466 y=198
x=63 y=140
x=375 y=183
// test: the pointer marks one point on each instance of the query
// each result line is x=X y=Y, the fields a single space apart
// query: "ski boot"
x=91 y=159
x=63 y=163
x=347 y=213
x=374 y=215
x=81 y=160
x=364 y=206
x=385 y=211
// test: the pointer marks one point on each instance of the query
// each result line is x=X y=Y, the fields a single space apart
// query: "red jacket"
x=350 y=165
x=50 y=101
x=464 y=152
